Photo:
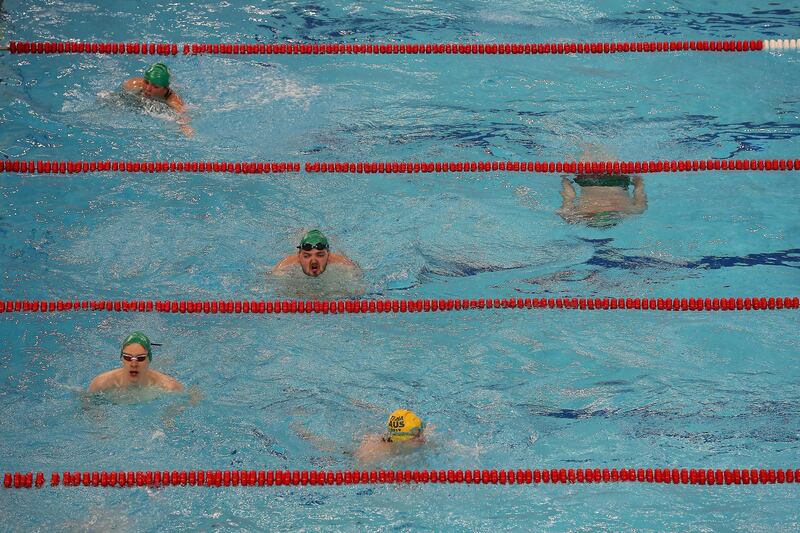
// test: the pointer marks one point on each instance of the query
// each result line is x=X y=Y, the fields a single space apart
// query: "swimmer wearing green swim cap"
x=604 y=199
x=135 y=356
x=313 y=255
x=405 y=433
x=154 y=84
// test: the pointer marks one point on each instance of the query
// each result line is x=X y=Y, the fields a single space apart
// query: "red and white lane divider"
x=269 y=478
x=19 y=166
x=171 y=49
x=397 y=306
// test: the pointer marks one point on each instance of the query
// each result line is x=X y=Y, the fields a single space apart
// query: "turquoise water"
x=504 y=389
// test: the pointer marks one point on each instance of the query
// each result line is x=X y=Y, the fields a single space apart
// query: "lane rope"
x=172 y=49
x=261 y=478
x=41 y=166
x=397 y=306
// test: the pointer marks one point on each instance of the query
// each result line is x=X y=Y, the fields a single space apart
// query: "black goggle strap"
x=307 y=247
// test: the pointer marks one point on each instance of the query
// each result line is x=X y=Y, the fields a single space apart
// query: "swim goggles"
x=416 y=432
x=307 y=247
x=129 y=357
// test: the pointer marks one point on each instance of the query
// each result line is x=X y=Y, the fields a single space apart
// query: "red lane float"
x=167 y=49
x=269 y=478
x=398 y=306
x=19 y=166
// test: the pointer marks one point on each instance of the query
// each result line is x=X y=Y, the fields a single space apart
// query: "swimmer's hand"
x=187 y=130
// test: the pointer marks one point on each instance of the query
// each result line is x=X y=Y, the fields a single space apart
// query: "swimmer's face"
x=153 y=91
x=313 y=262
x=134 y=368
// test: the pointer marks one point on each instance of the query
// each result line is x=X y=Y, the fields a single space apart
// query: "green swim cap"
x=314 y=237
x=137 y=337
x=157 y=74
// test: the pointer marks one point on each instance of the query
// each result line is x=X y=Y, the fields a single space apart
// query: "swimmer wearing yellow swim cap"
x=154 y=84
x=135 y=356
x=403 y=426
x=313 y=256
x=405 y=434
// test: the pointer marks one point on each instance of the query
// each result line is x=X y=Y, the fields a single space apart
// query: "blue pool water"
x=504 y=389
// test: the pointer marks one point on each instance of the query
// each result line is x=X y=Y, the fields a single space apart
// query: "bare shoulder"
x=104 y=381
x=286 y=262
x=340 y=259
x=168 y=382
x=133 y=84
x=176 y=102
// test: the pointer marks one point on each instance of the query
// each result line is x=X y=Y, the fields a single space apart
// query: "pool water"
x=499 y=389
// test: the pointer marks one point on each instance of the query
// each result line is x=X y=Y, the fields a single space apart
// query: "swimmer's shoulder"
x=339 y=259
x=104 y=381
x=286 y=262
x=167 y=382
x=175 y=101
x=133 y=84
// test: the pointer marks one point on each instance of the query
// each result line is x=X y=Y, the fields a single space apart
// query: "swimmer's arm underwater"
x=639 y=196
x=172 y=412
x=176 y=103
x=568 y=196
x=320 y=443
x=567 y=191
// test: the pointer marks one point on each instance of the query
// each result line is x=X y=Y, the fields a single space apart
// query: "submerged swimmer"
x=135 y=355
x=604 y=199
x=313 y=256
x=155 y=86
x=405 y=434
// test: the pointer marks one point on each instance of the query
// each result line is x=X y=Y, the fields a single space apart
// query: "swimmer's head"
x=157 y=74
x=137 y=337
x=404 y=425
x=313 y=252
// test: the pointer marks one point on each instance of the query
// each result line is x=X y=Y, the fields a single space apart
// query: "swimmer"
x=604 y=199
x=405 y=434
x=155 y=85
x=313 y=256
x=135 y=355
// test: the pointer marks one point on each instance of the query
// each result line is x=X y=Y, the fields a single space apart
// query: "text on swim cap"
x=396 y=422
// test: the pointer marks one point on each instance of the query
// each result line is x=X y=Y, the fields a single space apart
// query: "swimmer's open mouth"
x=134 y=373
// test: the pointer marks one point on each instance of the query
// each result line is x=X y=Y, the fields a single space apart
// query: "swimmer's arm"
x=173 y=411
x=173 y=385
x=132 y=85
x=285 y=263
x=321 y=443
x=568 y=196
x=567 y=190
x=176 y=103
x=639 y=196
x=169 y=383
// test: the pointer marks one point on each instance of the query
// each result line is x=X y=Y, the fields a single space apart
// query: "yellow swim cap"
x=404 y=425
